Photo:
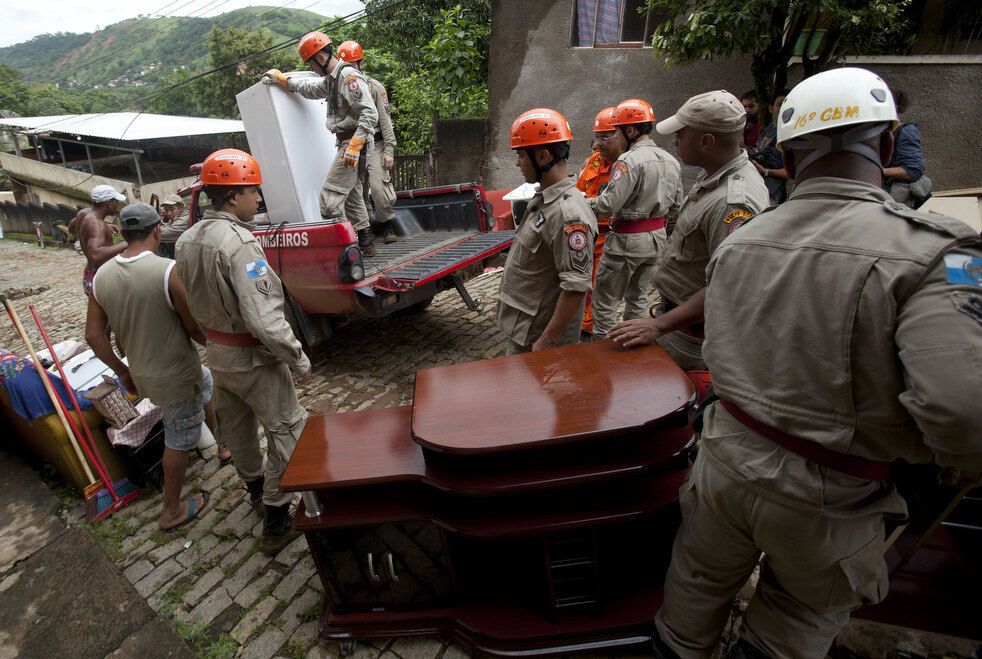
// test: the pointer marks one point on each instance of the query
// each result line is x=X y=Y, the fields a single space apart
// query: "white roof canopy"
x=124 y=126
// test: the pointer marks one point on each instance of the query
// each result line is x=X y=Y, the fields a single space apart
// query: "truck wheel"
x=416 y=308
x=294 y=323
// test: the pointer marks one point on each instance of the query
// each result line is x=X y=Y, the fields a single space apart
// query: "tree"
x=769 y=31
x=233 y=50
x=13 y=92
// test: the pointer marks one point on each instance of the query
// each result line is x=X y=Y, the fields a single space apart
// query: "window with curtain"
x=612 y=23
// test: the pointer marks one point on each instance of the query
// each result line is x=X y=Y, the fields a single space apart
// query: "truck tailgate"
x=440 y=258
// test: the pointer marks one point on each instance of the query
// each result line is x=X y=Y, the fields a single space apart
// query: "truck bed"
x=408 y=248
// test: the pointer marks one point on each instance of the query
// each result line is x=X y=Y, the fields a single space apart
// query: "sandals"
x=193 y=510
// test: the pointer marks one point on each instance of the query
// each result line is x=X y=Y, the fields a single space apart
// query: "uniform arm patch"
x=256 y=269
x=963 y=269
x=736 y=219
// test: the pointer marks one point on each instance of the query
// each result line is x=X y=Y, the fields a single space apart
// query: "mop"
x=111 y=496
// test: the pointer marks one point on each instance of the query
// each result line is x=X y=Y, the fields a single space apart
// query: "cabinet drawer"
x=390 y=566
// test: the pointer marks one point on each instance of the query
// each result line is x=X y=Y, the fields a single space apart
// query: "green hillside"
x=139 y=52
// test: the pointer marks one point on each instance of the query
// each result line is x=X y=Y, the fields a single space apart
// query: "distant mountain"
x=138 y=51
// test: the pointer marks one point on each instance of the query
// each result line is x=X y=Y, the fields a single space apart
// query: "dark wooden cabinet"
x=524 y=504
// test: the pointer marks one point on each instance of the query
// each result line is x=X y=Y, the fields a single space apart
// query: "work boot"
x=389 y=234
x=366 y=242
x=255 y=488
x=277 y=529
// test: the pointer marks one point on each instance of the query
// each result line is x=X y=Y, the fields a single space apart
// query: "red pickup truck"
x=446 y=235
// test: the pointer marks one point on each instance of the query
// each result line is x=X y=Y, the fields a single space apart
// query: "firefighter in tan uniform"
x=549 y=267
x=382 y=157
x=352 y=117
x=843 y=331
x=645 y=185
x=707 y=129
x=251 y=349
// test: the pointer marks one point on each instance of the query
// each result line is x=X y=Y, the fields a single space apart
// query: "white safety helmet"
x=833 y=99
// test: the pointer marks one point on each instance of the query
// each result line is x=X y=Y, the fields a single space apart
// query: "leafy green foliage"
x=769 y=30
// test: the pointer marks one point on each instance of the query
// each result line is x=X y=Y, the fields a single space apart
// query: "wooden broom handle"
x=51 y=392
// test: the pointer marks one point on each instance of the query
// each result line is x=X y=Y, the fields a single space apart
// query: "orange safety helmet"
x=312 y=43
x=538 y=127
x=230 y=167
x=633 y=111
x=350 y=51
x=605 y=121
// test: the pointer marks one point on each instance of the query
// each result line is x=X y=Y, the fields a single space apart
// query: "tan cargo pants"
x=343 y=189
x=265 y=394
x=626 y=278
x=380 y=183
x=815 y=570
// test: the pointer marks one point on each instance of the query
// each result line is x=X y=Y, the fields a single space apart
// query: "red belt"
x=237 y=339
x=854 y=465
x=638 y=226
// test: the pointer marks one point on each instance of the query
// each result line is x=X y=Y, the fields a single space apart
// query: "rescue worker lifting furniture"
x=382 y=157
x=352 y=117
x=548 y=270
x=842 y=334
x=593 y=179
x=142 y=297
x=251 y=349
x=707 y=128
x=645 y=187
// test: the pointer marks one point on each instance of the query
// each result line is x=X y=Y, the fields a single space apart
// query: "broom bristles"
x=102 y=504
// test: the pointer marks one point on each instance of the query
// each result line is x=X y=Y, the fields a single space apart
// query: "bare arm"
x=567 y=306
x=179 y=298
x=897 y=174
x=97 y=336
x=645 y=331
x=98 y=245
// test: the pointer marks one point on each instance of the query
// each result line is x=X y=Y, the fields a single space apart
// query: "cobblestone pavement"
x=209 y=578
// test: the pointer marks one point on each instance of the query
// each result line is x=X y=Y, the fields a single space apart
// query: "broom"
x=55 y=400
x=112 y=496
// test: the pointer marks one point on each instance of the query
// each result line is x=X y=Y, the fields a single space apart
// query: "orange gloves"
x=355 y=145
x=277 y=76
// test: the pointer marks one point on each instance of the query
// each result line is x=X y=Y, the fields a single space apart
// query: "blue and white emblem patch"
x=963 y=269
x=256 y=269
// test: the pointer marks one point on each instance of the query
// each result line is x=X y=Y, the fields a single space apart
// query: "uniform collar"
x=638 y=144
x=212 y=214
x=336 y=73
x=552 y=193
x=724 y=171
x=830 y=186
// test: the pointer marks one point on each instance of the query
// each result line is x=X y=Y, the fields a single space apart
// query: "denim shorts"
x=183 y=418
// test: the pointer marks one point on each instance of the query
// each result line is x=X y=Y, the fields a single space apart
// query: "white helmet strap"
x=851 y=140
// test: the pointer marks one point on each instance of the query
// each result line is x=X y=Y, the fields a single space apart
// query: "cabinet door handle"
x=392 y=568
x=371 y=568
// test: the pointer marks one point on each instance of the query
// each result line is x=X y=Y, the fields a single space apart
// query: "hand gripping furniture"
x=523 y=504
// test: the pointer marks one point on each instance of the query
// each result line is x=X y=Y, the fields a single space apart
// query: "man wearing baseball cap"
x=707 y=129
x=175 y=222
x=96 y=235
x=142 y=296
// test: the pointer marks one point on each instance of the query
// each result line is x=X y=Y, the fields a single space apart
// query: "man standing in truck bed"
x=382 y=156
x=351 y=116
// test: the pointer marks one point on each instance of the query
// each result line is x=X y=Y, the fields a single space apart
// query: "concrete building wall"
x=533 y=65
x=459 y=150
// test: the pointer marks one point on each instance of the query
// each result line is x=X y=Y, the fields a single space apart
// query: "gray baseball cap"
x=714 y=112
x=138 y=216
x=172 y=200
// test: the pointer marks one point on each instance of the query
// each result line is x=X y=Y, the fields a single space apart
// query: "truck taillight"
x=350 y=266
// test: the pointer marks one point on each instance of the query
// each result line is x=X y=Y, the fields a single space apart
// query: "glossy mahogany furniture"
x=523 y=504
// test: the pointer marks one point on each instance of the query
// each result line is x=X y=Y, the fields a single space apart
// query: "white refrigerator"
x=288 y=135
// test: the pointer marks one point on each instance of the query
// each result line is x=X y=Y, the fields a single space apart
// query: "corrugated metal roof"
x=125 y=126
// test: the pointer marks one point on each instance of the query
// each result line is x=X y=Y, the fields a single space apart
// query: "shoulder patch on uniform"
x=736 y=219
x=935 y=221
x=256 y=269
x=576 y=226
x=620 y=168
x=577 y=239
x=963 y=269
x=969 y=304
